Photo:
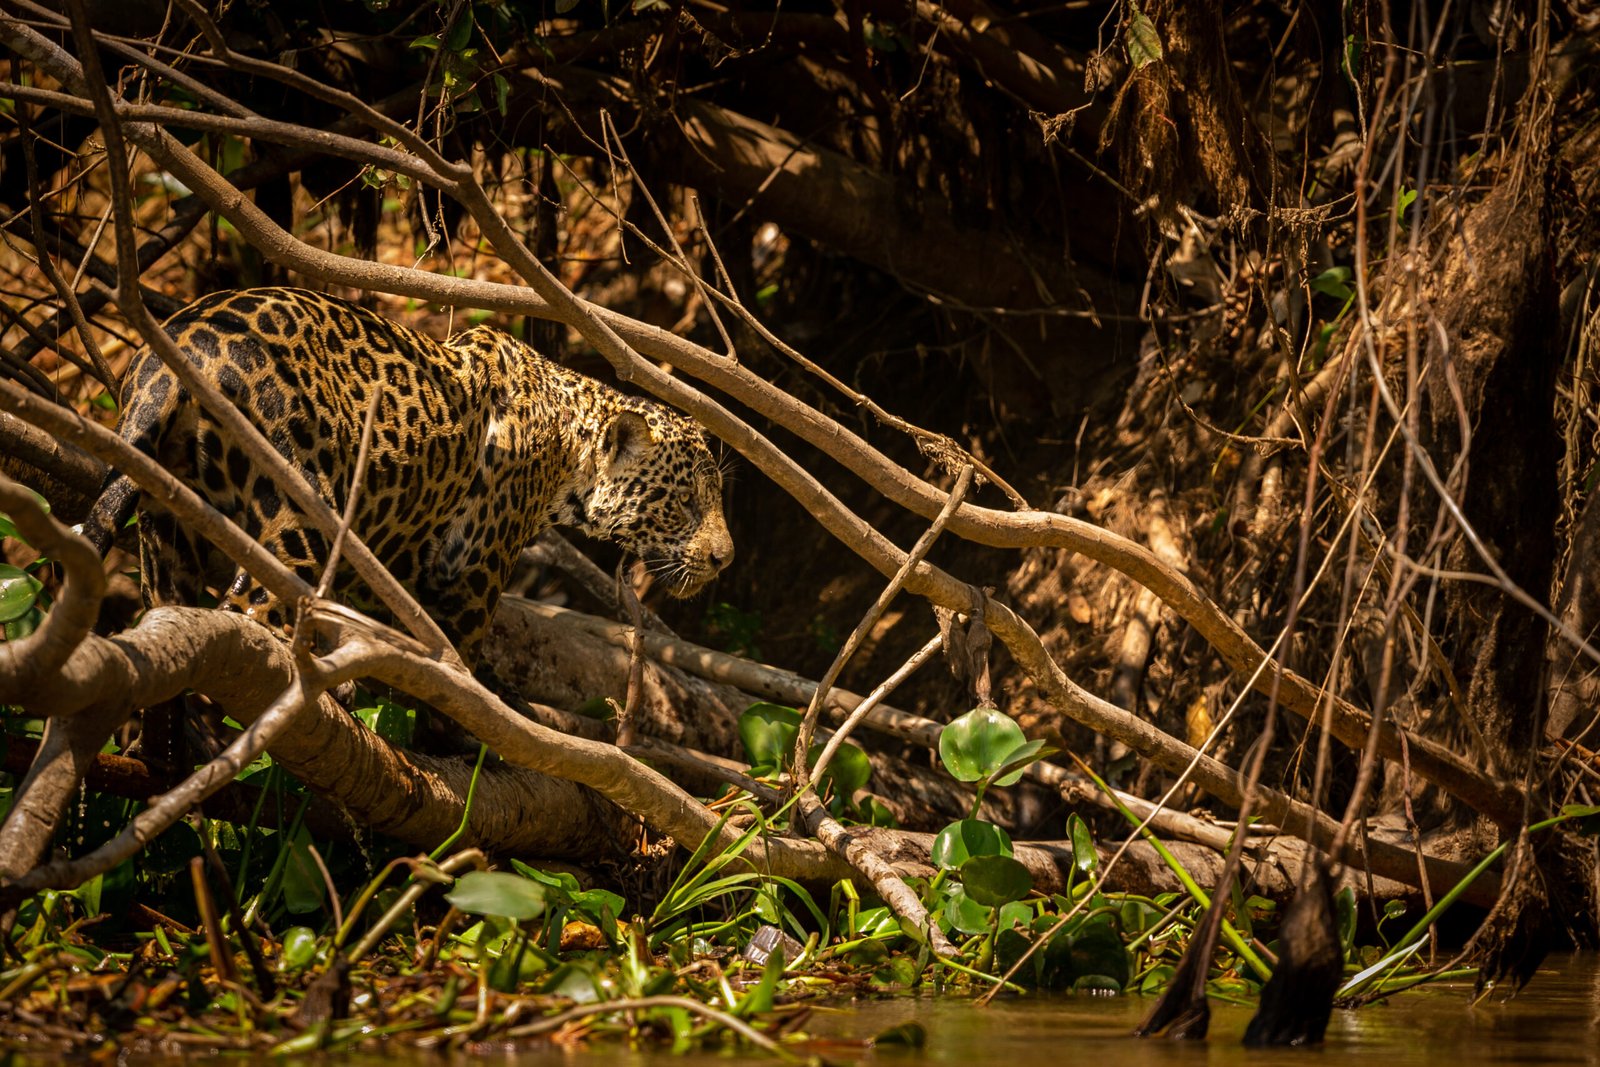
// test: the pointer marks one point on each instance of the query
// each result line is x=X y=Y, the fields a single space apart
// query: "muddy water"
x=1556 y=1020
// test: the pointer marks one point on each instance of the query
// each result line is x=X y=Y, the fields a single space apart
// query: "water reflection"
x=1556 y=1020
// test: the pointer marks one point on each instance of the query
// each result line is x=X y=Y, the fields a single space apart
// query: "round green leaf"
x=509 y=896
x=768 y=732
x=995 y=880
x=978 y=743
x=965 y=914
x=960 y=841
x=849 y=768
x=299 y=948
x=1098 y=951
x=18 y=591
x=1016 y=915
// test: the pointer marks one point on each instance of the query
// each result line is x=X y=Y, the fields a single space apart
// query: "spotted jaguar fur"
x=479 y=444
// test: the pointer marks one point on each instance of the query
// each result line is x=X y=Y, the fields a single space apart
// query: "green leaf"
x=18 y=592
x=1407 y=196
x=460 y=34
x=1016 y=915
x=849 y=769
x=1098 y=952
x=1144 y=43
x=978 y=743
x=564 y=6
x=1334 y=282
x=303 y=885
x=768 y=732
x=429 y=42
x=392 y=722
x=1084 y=856
x=88 y=894
x=509 y=896
x=965 y=914
x=1585 y=817
x=299 y=948
x=1010 y=771
x=760 y=997
x=17 y=629
x=966 y=838
x=874 y=812
x=898 y=972
x=995 y=880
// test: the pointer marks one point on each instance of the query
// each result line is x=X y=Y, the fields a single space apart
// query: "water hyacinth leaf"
x=1156 y=979
x=1016 y=915
x=978 y=743
x=995 y=880
x=508 y=896
x=768 y=732
x=849 y=769
x=1098 y=950
x=898 y=972
x=875 y=812
x=17 y=629
x=965 y=838
x=19 y=590
x=1144 y=43
x=965 y=914
x=299 y=948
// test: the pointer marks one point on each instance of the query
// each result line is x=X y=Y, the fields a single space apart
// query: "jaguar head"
x=658 y=493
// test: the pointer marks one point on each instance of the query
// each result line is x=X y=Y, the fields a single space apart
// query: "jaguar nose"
x=720 y=553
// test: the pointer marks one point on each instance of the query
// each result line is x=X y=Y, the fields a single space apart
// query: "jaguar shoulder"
x=479 y=444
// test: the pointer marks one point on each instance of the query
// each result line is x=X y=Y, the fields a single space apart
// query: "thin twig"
x=69 y=299
x=353 y=495
x=626 y=724
x=216 y=941
x=872 y=700
x=808 y=725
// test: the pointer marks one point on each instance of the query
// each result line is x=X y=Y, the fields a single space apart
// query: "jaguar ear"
x=626 y=439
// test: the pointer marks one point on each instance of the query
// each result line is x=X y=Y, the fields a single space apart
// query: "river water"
x=1555 y=1020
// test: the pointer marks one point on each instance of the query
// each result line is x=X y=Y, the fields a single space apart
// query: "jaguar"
x=479 y=443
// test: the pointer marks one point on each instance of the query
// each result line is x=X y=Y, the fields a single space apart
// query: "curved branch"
x=26 y=664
